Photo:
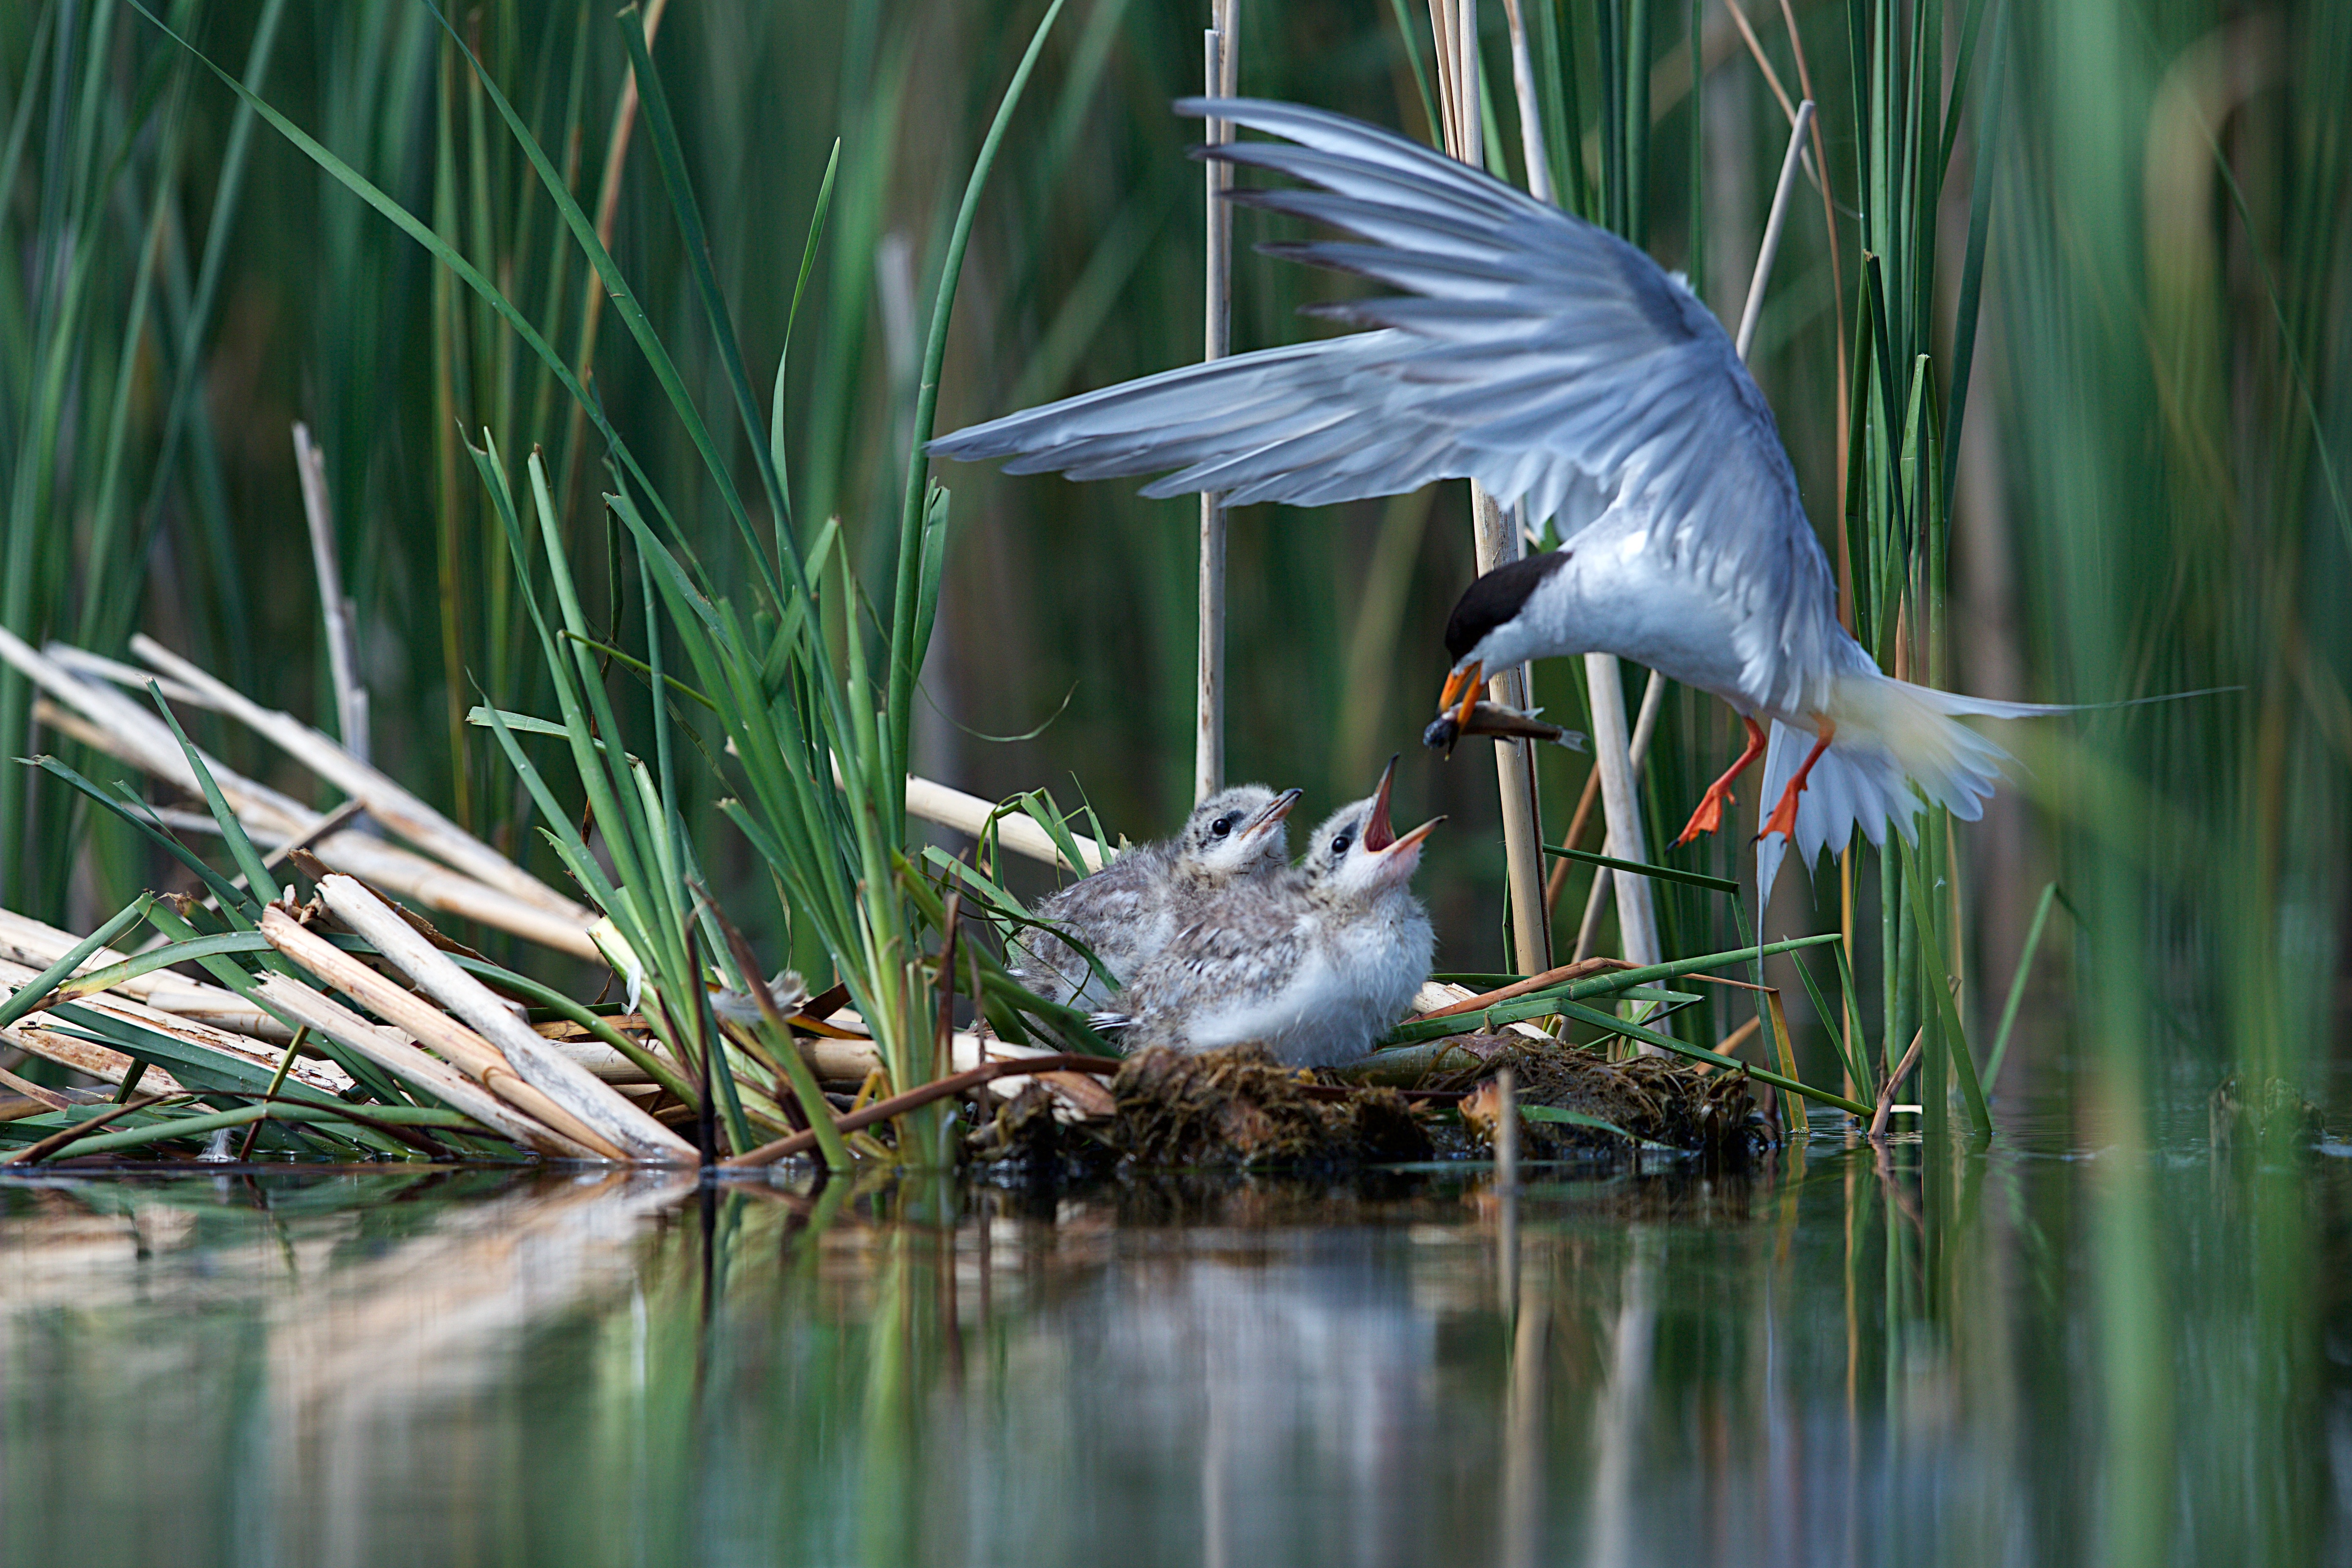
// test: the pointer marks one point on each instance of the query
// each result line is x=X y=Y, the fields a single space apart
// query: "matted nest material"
x=1657 y=1099
x=1025 y=1135
x=1239 y=1106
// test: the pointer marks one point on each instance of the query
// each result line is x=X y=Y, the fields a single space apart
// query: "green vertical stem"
x=905 y=658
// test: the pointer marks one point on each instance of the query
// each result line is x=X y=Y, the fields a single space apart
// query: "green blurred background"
x=2146 y=495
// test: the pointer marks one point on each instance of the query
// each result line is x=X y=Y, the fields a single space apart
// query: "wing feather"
x=1528 y=350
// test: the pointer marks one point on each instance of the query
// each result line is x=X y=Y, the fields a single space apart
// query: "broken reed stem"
x=535 y=1060
x=970 y=816
x=915 y=1098
x=1878 y=1118
x=1220 y=73
x=527 y=1115
x=350 y=697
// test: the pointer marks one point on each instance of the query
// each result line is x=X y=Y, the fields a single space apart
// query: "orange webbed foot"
x=1709 y=817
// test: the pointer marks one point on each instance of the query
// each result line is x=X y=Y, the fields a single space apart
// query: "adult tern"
x=1569 y=373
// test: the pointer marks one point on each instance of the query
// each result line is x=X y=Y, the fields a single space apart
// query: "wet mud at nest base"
x=1240 y=1109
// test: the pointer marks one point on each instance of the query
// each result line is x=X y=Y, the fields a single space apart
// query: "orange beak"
x=1462 y=685
x=1414 y=837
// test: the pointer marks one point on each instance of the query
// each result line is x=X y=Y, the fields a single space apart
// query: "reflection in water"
x=1858 y=1360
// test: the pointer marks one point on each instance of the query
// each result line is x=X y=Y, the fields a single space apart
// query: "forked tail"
x=1899 y=748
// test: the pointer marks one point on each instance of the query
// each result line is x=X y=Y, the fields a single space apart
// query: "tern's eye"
x=1221 y=826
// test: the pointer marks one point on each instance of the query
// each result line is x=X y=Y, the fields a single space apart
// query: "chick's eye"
x=1340 y=845
x=1221 y=826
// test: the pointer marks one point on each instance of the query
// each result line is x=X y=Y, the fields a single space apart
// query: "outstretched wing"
x=1545 y=358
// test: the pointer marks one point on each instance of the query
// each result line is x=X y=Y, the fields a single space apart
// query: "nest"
x=1241 y=1110
x=1239 y=1106
x=1657 y=1100
x=1030 y=1136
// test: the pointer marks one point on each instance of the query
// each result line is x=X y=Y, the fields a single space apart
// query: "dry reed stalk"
x=350 y=697
x=49 y=1097
x=387 y=1049
x=1496 y=539
x=1220 y=75
x=387 y=801
x=24 y=939
x=1437 y=996
x=915 y=1098
x=540 y=1064
x=1886 y=1108
x=968 y=813
x=423 y=882
x=468 y=1052
x=83 y=662
x=1645 y=725
x=101 y=1061
x=110 y=722
x=83 y=1056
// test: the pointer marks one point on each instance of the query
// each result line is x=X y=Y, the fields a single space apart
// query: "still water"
x=1852 y=1356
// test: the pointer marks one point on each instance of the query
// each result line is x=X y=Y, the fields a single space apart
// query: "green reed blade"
x=2016 y=984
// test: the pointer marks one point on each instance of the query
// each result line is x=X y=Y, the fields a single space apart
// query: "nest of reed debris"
x=1655 y=1100
x=1240 y=1109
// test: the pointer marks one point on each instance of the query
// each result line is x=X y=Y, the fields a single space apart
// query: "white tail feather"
x=1896 y=744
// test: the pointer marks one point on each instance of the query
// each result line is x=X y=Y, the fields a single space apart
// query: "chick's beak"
x=1377 y=834
x=1269 y=815
x=1411 y=841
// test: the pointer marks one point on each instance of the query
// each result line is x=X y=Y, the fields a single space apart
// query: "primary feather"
x=1542 y=356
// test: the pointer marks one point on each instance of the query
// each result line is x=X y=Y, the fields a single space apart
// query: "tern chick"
x=1127 y=911
x=1316 y=966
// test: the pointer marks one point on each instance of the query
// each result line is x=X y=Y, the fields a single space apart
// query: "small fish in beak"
x=1486 y=718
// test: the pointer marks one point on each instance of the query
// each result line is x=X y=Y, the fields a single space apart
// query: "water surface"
x=1854 y=1356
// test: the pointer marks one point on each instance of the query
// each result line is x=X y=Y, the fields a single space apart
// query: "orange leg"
x=1709 y=815
x=1783 y=820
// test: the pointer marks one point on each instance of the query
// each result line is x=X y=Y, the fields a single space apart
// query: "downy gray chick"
x=1316 y=966
x=1127 y=911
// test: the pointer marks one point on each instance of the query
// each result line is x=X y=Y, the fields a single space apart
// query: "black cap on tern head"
x=1495 y=598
